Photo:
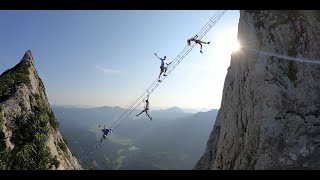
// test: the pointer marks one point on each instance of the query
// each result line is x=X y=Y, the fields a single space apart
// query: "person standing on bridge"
x=197 y=42
x=146 y=108
x=163 y=66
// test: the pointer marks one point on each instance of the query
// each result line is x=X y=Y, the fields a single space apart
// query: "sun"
x=227 y=42
x=235 y=46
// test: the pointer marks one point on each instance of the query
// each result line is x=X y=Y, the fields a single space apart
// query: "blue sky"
x=106 y=58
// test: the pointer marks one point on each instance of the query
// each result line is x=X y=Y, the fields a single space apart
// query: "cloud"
x=107 y=71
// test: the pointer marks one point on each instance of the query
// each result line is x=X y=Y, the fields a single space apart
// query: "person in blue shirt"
x=163 y=66
x=197 y=42
x=105 y=132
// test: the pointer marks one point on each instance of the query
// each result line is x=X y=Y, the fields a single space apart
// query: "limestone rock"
x=269 y=114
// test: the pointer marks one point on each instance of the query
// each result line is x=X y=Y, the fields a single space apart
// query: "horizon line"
x=154 y=108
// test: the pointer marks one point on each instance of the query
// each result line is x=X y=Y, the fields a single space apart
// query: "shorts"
x=163 y=68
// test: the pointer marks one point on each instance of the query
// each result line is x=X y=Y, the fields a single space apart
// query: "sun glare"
x=235 y=46
x=227 y=42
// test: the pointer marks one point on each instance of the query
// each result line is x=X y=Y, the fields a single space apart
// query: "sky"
x=106 y=58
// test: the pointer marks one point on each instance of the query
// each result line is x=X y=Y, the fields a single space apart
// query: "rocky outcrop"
x=270 y=110
x=30 y=132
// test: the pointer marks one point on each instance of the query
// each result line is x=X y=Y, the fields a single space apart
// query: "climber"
x=197 y=42
x=105 y=131
x=146 y=108
x=163 y=67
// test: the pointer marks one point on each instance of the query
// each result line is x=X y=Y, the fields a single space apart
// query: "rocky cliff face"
x=29 y=135
x=270 y=110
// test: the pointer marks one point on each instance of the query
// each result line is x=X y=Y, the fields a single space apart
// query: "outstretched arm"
x=156 y=55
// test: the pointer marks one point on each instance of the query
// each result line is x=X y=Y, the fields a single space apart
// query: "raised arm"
x=156 y=55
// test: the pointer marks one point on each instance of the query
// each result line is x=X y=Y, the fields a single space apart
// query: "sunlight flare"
x=235 y=46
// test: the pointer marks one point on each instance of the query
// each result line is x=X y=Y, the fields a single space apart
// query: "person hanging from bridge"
x=163 y=67
x=105 y=132
x=197 y=42
x=146 y=108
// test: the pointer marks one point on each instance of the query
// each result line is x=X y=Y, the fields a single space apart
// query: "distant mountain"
x=175 y=110
x=170 y=113
x=73 y=106
x=205 y=115
x=107 y=114
x=165 y=142
x=108 y=107
x=190 y=110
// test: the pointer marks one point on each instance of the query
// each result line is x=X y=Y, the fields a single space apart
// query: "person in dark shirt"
x=105 y=132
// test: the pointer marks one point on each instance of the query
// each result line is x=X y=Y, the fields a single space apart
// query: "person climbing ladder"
x=105 y=132
x=146 y=108
x=197 y=42
x=163 y=66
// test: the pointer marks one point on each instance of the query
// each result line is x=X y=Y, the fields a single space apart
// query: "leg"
x=201 y=42
x=140 y=112
x=165 y=70
x=148 y=115
x=161 y=71
x=160 y=74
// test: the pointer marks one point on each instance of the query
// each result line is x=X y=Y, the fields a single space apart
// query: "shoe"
x=201 y=52
x=159 y=80
x=164 y=75
x=137 y=115
x=209 y=42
